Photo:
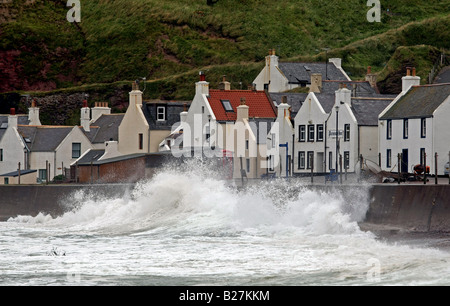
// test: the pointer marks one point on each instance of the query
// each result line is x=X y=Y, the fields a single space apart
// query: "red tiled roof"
x=260 y=105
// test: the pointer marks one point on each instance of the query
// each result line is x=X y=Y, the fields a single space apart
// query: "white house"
x=416 y=126
x=47 y=149
x=230 y=121
x=279 y=76
x=280 y=147
x=321 y=115
x=146 y=123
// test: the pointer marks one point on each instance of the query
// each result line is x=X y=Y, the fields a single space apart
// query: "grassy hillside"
x=169 y=41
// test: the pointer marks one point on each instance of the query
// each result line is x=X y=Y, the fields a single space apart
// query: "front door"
x=404 y=167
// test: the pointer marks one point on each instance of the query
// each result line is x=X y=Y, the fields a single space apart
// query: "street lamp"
x=337 y=136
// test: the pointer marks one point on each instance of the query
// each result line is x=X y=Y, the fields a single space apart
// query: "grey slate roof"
x=443 y=76
x=105 y=128
x=298 y=73
x=419 y=102
x=44 y=138
x=358 y=88
x=173 y=110
x=16 y=173
x=295 y=100
x=367 y=110
x=91 y=156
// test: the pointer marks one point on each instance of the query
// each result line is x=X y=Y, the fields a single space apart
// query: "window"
x=422 y=156
x=330 y=161
x=301 y=160
x=301 y=133
x=161 y=113
x=227 y=106
x=320 y=132
x=310 y=133
x=347 y=132
x=248 y=165
x=203 y=109
x=42 y=174
x=405 y=128
x=274 y=141
x=310 y=160
x=388 y=158
x=346 y=160
x=6 y=180
x=76 y=150
x=423 y=127
x=141 y=141
x=1 y=155
x=389 y=129
x=246 y=144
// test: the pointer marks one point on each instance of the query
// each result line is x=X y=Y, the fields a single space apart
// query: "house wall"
x=368 y=142
x=345 y=117
x=156 y=137
x=64 y=151
x=441 y=134
x=414 y=143
x=133 y=124
x=28 y=179
x=12 y=146
x=271 y=73
x=311 y=113
x=126 y=171
x=283 y=130
x=197 y=119
x=38 y=161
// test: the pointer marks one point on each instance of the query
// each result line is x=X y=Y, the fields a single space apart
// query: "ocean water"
x=190 y=228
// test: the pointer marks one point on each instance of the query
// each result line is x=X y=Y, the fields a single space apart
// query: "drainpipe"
x=325 y=143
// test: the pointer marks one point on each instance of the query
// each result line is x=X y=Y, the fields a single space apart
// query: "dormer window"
x=227 y=106
x=161 y=113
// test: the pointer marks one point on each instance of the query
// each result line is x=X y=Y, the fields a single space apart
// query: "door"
x=319 y=164
x=404 y=167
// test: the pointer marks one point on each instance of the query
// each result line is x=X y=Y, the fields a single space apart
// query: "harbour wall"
x=422 y=208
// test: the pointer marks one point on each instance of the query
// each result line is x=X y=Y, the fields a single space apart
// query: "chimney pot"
x=33 y=103
x=13 y=111
x=408 y=71
x=414 y=71
x=185 y=108
x=85 y=104
x=243 y=101
x=284 y=99
x=369 y=70
x=202 y=76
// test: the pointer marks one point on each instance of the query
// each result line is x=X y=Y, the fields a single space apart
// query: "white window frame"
x=163 y=113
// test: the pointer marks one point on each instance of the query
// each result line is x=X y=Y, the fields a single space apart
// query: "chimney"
x=111 y=150
x=224 y=85
x=12 y=118
x=343 y=95
x=184 y=113
x=33 y=114
x=85 y=117
x=242 y=110
x=410 y=80
x=100 y=108
x=284 y=108
x=271 y=59
x=202 y=87
x=371 y=77
x=316 y=83
x=135 y=94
